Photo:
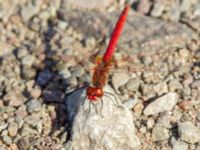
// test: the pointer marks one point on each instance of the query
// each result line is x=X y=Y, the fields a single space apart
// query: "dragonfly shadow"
x=54 y=86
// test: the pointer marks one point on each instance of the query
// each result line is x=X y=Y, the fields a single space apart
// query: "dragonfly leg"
x=108 y=95
x=83 y=104
x=101 y=108
x=94 y=107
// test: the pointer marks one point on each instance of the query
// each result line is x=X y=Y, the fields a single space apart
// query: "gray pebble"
x=188 y=132
x=70 y=81
x=196 y=84
x=147 y=90
x=185 y=5
x=164 y=119
x=22 y=53
x=174 y=12
x=29 y=10
x=32 y=120
x=63 y=137
x=7 y=140
x=44 y=77
x=198 y=115
x=178 y=145
x=35 y=122
x=177 y=114
x=5 y=48
x=44 y=15
x=174 y=85
x=3 y=126
x=161 y=88
x=12 y=129
x=129 y=104
x=119 y=79
x=28 y=60
x=28 y=73
x=196 y=10
x=28 y=131
x=150 y=123
x=160 y=133
x=77 y=71
x=33 y=106
x=15 y=98
x=133 y=84
x=87 y=4
x=2 y=147
x=90 y=42
x=7 y=109
x=157 y=10
x=62 y=24
x=53 y=95
x=19 y=121
x=161 y=104
x=23 y=144
x=65 y=73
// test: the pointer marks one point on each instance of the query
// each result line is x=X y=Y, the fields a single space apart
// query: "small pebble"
x=62 y=24
x=23 y=144
x=150 y=123
x=28 y=131
x=178 y=145
x=22 y=53
x=33 y=106
x=138 y=107
x=161 y=104
x=28 y=60
x=53 y=95
x=185 y=105
x=12 y=129
x=157 y=10
x=160 y=133
x=28 y=73
x=133 y=84
x=188 y=132
x=7 y=140
x=119 y=79
x=130 y=103
x=44 y=77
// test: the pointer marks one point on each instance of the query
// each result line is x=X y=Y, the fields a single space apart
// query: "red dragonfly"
x=102 y=68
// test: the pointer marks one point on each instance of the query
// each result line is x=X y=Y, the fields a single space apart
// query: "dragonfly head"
x=93 y=93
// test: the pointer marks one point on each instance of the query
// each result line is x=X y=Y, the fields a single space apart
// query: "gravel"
x=33 y=106
x=45 y=55
x=188 y=132
x=177 y=145
x=161 y=104
x=160 y=133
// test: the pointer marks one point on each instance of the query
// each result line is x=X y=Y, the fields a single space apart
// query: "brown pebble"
x=185 y=105
x=12 y=129
x=36 y=92
x=138 y=107
x=13 y=146
x=1 y=103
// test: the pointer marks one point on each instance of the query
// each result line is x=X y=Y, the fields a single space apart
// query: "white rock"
x=177 y=145
x=164 y=103
x=104 y=125
x=188 y=132
x=119 y=79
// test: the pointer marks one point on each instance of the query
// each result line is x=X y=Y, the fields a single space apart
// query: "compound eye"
x=92 y=97
x=99 y=92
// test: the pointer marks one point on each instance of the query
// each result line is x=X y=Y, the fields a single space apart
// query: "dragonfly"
x=101 y=70
x=104 y=65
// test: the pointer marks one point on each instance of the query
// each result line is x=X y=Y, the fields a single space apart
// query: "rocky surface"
x=46 y=50
x=101 y=125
